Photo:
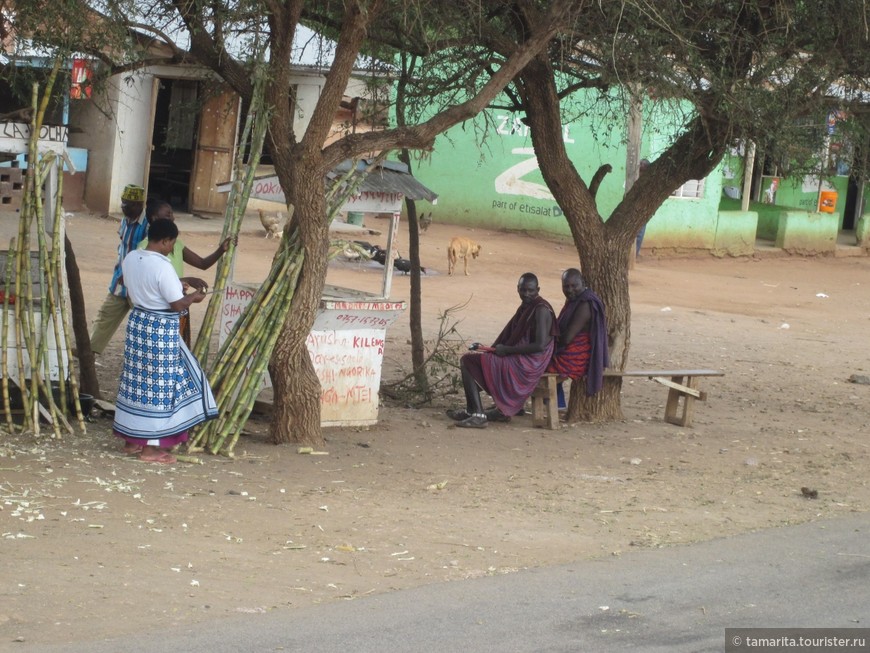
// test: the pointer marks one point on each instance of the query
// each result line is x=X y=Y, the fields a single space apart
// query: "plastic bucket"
x=355 y=217
x=828 y=201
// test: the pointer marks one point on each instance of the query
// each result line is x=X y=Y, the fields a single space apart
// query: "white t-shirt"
x=151 y=280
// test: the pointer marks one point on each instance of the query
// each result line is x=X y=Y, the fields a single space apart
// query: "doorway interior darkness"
x=173 y=142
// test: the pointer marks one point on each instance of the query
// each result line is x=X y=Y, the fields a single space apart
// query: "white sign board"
x=346 y=346
x=15 y=137
x=365 y=201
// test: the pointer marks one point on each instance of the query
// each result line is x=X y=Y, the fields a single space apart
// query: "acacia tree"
x=301 y=160
x=209 y=33
x=747 y=71
x=754 y=70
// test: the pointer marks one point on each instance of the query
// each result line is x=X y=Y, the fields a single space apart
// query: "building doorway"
x=173 y=141
x=192 y=144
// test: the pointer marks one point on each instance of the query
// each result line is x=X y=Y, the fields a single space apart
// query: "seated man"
x=510 y=369
x=582 y=346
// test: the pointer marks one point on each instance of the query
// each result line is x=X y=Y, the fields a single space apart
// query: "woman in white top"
x=163 y=390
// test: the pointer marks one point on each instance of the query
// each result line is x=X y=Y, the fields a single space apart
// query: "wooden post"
x=388 y=264
x=632 y=151
x=748 y=170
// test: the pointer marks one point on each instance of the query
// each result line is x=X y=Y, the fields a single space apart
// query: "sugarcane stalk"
x=42 y=169
x=4 y=337
x=190 y=460
x=38 y=169
x=57 y=309
x=232 y=426
x=26 y=330
x=246 y=401
x=235 y=347
x=65 y=325
x=263 y=299
x=23 y=280
x=233 y=370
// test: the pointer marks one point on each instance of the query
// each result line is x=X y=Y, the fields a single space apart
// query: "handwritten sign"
x=374 y=202
x=346 y=346
x=14 y=137
x=348 y=365
x=57 y=133
x=364 y=201
x=236 y=298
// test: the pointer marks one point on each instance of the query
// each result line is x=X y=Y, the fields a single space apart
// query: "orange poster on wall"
x=80 y=82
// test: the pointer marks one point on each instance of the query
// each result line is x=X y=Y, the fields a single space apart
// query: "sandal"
x=458 y=415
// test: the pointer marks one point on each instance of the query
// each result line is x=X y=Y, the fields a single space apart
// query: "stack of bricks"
x=11 y=187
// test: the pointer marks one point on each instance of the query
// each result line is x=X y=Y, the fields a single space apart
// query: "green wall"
x=491 y=179
x=792 y=193
x=681 y=222
x=497 y=184
x=804 y=193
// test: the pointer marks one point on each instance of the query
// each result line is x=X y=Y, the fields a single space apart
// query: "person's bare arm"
x=192 y=258
x=578 y=324
x=184 y=303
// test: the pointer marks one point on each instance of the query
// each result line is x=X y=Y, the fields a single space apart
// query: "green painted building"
x=495 y=183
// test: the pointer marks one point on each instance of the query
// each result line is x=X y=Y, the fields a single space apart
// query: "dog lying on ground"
x=461 y=248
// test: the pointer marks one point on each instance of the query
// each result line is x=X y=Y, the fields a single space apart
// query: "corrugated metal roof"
x=388 y=177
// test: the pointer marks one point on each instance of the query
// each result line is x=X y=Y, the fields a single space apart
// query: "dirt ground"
x=96 y=544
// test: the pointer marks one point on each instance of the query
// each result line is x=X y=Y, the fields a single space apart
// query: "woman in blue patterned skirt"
x=163 y=390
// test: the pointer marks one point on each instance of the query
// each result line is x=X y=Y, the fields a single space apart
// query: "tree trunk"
x=605 y=270
x=296 y=388
x=296 y=421
x=88 y=382
x=418 y=348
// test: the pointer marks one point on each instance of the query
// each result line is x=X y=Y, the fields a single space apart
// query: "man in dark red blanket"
x=582 y=347
x=510 y=369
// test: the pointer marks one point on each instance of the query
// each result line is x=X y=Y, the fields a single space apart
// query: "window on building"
x=694 y=188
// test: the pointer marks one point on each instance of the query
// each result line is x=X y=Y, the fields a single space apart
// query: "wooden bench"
x=681 y=384
x=545 y=407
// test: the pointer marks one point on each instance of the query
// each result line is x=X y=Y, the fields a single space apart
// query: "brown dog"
x=461 y=248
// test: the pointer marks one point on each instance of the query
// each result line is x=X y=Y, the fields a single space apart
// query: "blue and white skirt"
x=163 y=390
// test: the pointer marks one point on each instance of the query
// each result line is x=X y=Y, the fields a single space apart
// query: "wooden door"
x=215 y=148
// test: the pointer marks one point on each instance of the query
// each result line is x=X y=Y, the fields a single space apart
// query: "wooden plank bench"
x=681 y=385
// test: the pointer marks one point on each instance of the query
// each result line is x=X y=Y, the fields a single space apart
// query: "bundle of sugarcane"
x=37 y=321
x=244 y=357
